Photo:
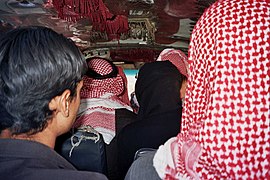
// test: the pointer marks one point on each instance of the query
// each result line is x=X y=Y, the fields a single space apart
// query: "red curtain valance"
x=102 y=19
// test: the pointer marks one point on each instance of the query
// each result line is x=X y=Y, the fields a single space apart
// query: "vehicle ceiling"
x=152 y=25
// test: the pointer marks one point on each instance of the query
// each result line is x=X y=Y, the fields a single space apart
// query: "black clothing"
x=149 y=133
x=158 y=92
x=157 y=88
x=29 y=160
x=123 y=118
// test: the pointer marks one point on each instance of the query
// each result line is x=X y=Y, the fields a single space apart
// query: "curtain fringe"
x=102 y=19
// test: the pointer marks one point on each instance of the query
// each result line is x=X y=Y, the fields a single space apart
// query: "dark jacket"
x=123 y=118
x=29 y=160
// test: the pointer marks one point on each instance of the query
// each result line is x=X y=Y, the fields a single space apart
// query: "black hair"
x=36 y=65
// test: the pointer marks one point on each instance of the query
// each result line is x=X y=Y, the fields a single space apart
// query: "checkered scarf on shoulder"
x=100 y=98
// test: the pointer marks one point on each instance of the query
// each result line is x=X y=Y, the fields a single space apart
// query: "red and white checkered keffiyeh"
x=94 y=88
x=226 y=121
x=177 y=58
x=100 y=98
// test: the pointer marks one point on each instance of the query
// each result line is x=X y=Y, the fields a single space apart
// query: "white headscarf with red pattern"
x=226 y=121
x=177 y=58
x=100 y=98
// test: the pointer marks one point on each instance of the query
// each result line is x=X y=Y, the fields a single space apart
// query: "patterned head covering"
x=177 y=58
x=104 y=90
x=94 y=88
x=225 y=124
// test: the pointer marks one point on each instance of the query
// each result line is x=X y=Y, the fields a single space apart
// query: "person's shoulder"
x=67 y=174
x=81 y=175
x=123 y=118
x=122 y=113
x=52 y=174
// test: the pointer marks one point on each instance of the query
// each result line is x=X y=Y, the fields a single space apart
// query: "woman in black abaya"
x=158 y=91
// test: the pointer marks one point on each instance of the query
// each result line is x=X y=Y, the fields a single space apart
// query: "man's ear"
x=65 y=100
x=61 y=103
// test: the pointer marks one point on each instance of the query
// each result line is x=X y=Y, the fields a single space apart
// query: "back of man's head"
x=36 y=64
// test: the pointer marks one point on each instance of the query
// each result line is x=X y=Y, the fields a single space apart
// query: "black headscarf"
x=158 y=88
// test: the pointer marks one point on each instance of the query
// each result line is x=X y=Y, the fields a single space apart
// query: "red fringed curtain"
x=96 y=11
